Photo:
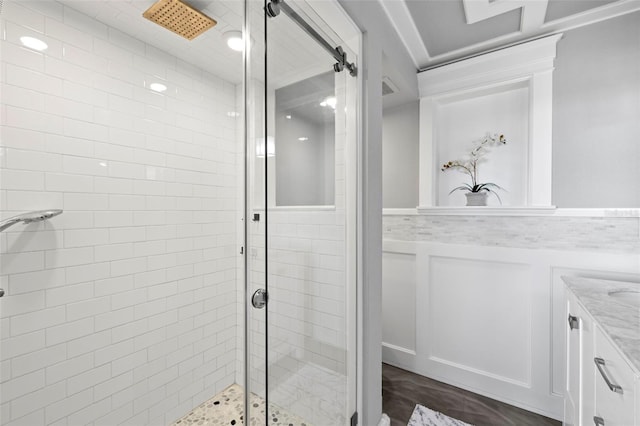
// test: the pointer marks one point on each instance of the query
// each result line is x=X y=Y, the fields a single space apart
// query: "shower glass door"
x=301 y=221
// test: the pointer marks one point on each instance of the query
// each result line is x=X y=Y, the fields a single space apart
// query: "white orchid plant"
x=469 y=165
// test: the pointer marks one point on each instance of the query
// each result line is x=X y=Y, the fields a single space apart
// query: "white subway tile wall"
x=122 y=309
x=308 y=314
x=307 y=352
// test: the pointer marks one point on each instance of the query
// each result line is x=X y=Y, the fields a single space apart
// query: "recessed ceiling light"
x=329 y=102
x=157 y=87
x=233 y=114
x=288 y=117
x=234 y=40
x=33 y=43
x=303 y=138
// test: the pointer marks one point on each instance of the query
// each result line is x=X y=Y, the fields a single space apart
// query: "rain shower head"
x=179 y=17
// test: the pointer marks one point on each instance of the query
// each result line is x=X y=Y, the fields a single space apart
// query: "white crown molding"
x=405 y=27
x=532 y=15
x=399 y=14
x=479 y=10
x=588 y=17
x=502 y=65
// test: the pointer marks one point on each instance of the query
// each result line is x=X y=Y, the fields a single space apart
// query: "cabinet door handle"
x=599 y=421
x=574 y=323
x=612 y=386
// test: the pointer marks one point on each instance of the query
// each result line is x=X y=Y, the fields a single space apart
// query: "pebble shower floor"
x=227 y=408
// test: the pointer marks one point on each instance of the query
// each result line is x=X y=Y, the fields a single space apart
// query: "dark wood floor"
x=402 y=390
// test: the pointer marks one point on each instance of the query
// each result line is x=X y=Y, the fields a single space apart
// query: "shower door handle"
x=259 y=298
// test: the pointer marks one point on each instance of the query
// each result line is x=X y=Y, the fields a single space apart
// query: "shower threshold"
x=227 y=408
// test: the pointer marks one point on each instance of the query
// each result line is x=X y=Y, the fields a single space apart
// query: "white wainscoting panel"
x=510 y=359
x=399 y=309
x=488 y=319
x=479 y=316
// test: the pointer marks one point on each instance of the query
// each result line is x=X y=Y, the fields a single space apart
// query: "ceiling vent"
x=388 y=87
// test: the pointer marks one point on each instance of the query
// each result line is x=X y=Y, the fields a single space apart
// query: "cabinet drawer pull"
x=599 y=421
x=612 y=386
x=574 y=323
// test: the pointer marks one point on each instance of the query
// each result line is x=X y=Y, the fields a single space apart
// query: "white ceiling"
x=440 y=31
x=290 y=50
x=434 y=31
x=208 y=51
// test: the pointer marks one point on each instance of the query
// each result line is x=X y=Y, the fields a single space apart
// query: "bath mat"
x=384 y=420
x=422 y=416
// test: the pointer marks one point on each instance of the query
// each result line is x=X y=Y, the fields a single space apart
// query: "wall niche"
x=506 y=92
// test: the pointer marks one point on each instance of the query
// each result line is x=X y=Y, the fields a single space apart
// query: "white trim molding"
x=515 y=62
x=532 y=25
x=405 y=26
x=488 y=211
x=399 y=212
x=513 y=211
x=532 y=14
x=528 y=65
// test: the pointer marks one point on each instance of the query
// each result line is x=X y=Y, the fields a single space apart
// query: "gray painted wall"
x=378 y=37
x=596 y=115
x=596 y=123
x=400 y=147
x=304 y=169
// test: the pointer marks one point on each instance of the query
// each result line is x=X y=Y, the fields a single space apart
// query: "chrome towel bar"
x=35 y=216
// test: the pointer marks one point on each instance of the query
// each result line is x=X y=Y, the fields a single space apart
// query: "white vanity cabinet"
x=578 y=401
x=601 y=386
x=615 y=386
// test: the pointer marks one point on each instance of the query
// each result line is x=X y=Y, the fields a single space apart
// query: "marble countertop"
x=620 y=321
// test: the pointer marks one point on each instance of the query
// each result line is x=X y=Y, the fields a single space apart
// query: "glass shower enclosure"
x=301 y=157
x=179 y=217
